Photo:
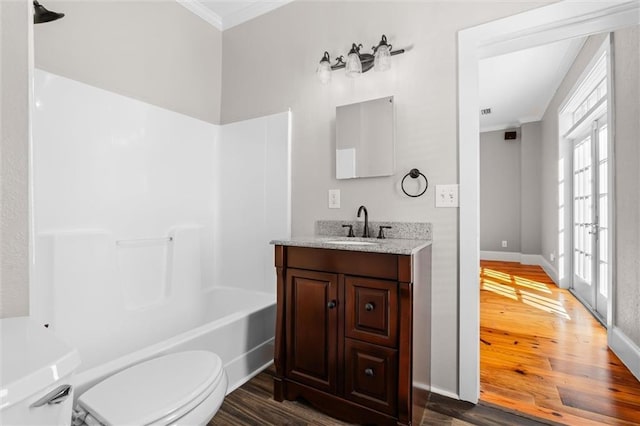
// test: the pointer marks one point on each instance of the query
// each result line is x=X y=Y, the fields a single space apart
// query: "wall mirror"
x=365 y=133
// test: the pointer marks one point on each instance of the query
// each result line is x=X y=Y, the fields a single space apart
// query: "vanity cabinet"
x=344 y=334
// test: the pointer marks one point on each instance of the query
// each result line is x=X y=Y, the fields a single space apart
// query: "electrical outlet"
x=552 y=257
x=504 y=243
x=447 y=195
x=334 y=198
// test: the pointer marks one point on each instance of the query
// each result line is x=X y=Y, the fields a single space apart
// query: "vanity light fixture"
x=357 y=62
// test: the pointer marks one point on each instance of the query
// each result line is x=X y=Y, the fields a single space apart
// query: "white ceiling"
x=519 y=86
x=229 y=13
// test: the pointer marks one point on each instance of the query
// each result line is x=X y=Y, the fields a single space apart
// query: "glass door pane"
x=583 y=217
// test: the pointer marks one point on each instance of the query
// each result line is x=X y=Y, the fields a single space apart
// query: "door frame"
x=592 y=303
x=547 y=24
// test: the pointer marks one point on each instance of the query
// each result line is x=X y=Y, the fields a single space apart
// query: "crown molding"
x=238 y=17
x=197 y=8
x=252 y=11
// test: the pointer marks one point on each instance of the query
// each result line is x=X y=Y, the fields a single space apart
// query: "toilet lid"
x=152 y=390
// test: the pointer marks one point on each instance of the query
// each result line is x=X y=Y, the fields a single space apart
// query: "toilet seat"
x=158 y=391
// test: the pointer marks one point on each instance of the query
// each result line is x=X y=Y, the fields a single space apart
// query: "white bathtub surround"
x=152 y=229
x=253 y=203
x=107 y=162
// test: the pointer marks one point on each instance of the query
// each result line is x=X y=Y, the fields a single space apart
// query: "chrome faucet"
x=365 y=232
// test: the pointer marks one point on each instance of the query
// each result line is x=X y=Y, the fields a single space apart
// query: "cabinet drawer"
x=372 y=310
x=378 y=265
x=371 y=373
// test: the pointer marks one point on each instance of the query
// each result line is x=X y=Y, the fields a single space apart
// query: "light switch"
x=334 y=198
x=447 y=195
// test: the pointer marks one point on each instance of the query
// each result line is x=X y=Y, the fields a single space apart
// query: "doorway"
x=585 y=118
x=555 y=22
x=528 y=326
x=590 y=220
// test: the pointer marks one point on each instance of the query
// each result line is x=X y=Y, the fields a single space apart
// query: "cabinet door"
x=311 y=318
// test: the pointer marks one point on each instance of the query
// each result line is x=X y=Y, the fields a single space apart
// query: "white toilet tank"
x=35 y=373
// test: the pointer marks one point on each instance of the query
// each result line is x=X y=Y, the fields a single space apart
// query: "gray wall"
x=288 y=44
x=154 y=51
x=531 y=188
x=627 y=157
x=510 y=192
x=500 y=192
x=14 y=158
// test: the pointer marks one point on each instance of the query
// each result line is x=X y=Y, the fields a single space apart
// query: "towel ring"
x=414 y=174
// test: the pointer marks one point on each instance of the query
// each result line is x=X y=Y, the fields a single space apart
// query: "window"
x=588 y=100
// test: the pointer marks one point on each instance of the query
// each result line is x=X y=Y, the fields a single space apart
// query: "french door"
x=591 y=219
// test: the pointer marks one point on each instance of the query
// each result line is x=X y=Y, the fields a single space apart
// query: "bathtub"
x=238 y=325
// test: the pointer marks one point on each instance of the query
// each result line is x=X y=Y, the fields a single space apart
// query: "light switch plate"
x=334 y=198
x=447 y=195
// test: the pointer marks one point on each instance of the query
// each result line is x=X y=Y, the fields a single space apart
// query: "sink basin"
x=351 y=243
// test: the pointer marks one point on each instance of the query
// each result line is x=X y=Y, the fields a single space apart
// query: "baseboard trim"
x=504 y=256
x=525 y=259
x=446 y=393
x=625 y=349
x=538 y=259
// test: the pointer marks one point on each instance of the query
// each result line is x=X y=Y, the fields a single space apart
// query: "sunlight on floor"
x=502 y=284
x=525 y=282
x=500 y=289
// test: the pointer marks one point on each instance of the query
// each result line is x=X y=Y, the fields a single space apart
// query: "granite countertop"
x=387 y=245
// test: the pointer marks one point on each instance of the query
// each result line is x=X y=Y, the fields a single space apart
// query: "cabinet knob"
x=368 y=372
x=369 y=306
x=332 y=304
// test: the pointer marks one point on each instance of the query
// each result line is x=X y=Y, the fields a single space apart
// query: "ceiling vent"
x=485 y=111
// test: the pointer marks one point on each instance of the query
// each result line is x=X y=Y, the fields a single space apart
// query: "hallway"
x=542 y=353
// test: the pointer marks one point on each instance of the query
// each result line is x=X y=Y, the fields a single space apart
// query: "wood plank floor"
x=252 y=405
x=542 y=353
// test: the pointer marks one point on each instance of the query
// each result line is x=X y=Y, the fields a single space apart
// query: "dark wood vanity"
x=345 y=332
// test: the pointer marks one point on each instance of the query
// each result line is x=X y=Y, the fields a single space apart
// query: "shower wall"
x=135 y=213
x=252 y=200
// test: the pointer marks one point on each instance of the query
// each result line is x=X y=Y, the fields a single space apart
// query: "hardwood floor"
x=542 y=353
x=252 y=405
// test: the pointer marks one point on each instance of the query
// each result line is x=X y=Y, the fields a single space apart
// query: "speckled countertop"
x=403 y=237
x=388 y=245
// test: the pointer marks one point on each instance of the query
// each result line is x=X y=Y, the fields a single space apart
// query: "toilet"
x=183 y=388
